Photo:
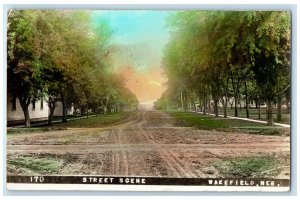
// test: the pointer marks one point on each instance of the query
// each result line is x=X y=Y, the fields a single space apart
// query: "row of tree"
x=220 y=55
x=62 y=56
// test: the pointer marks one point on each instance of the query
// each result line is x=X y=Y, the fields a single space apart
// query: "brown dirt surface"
x=147 y=146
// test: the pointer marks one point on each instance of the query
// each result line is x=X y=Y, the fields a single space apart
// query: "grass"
x=264 y=130
x=208 y=122
x=249 y=167
x=39 y=165
x=254 y=114
x=12 y=131
x=91 y=122
x=99 y=120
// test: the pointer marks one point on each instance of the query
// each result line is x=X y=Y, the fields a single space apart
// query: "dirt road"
x=147 y=146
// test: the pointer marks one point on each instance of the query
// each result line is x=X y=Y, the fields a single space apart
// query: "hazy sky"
x=137 y=41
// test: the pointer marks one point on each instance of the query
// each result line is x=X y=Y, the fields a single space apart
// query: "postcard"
x=148 y=100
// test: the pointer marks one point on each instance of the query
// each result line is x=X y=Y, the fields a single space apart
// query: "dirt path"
x=148 y=146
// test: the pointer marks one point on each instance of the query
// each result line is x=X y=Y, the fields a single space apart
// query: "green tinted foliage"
x=62 y=54
x=209 y=47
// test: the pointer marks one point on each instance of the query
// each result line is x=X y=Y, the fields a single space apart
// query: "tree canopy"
x=63 y=56
x=227 y=54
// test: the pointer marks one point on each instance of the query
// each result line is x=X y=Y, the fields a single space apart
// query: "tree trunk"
x=259 y=111
x=50 y=117
x=279 y=108
x=181 y=99
x=204 y=108
x=65 y=109
x=225 y=107
x=87 y=111
x=185 y=102
x=106 y=109
x=24 y=103
x=27 y=118
x=236 y=106
x=225 y=101
x=270 y=113
x=231 y=104
x=199 y=105
x=51 y=105
x=209 y=107
x=216 y=106
x=81 y=111
x=247 y=102
x=235 y=87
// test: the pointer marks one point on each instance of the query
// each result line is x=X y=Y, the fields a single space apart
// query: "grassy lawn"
x=223 y=124
x=91 y=122
x=12 y=131
x=254 y=114
x=99 y=120
x=249 y=167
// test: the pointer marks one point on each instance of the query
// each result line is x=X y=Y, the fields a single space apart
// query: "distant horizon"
x=138 y=40
x=147 y=105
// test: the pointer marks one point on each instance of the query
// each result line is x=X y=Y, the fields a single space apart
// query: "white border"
x=135 y=2
x=84 y=187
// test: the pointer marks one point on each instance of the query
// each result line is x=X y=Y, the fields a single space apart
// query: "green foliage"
x=212 y=54
x=63 y=55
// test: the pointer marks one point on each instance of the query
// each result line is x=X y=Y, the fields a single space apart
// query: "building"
x=38 y=110
x=59 y=110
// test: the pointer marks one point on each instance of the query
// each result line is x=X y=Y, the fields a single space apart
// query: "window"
x=42 y=104
x=14 y=103
x=33 y=104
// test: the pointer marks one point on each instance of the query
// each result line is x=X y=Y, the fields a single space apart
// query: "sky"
x=137 y=42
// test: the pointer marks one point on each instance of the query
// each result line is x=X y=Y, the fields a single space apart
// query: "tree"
x=218 y=54
x=24 y=65
x=271 y=62
x=63 y=56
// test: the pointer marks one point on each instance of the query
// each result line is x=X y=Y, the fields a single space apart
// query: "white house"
x=38 y=110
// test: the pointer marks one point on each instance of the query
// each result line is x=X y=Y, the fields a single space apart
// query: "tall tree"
x=24 y=65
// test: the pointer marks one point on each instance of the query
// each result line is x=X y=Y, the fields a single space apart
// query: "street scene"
x=169 y=94
x=149 y=145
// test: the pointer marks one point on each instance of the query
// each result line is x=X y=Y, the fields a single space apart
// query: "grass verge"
x=208 y=122
x=12 y=131
x=91 y=122
x=99 y=120
x=253 y=114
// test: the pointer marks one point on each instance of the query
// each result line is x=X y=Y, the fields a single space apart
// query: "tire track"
x=143 y=140
x=101 y=165
x=176 y=167
x=188 y=172
x=124 y=170
x=115 y=156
